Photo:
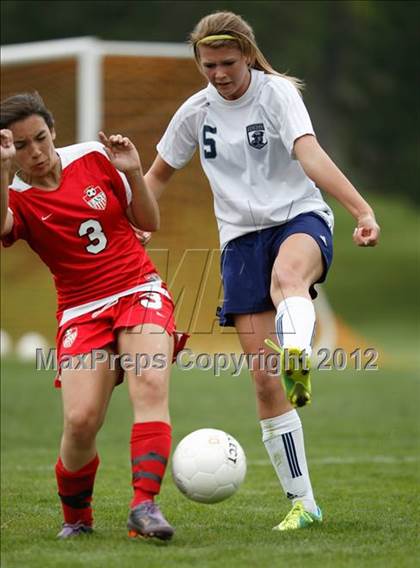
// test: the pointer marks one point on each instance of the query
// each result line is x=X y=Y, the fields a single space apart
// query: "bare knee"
x=151 y=387
x=285 y=281
x=82 y=425
x=267 y=386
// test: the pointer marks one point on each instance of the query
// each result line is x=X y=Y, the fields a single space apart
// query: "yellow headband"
x=210 y=38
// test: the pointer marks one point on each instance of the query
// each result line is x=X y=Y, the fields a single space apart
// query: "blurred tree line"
x=359 y=60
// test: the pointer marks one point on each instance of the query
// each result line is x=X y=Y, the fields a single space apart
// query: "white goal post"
x=89 y=53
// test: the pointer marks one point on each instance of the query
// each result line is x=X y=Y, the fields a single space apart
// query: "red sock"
x=150 y=448
x=75 y=490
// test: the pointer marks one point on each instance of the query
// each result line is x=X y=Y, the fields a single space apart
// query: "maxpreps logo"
x=69 y=337
x=95 y=197
x=256 y=135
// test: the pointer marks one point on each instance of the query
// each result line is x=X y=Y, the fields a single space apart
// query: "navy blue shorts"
x=247 y=263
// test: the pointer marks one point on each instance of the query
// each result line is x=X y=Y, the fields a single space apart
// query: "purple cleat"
x=146 y=520
x=69 y=530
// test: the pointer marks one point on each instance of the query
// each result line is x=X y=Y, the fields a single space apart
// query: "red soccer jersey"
x=80 y=230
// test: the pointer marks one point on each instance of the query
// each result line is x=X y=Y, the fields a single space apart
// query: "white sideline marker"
x=5 y=343
x=27 y=345
x=348 y=460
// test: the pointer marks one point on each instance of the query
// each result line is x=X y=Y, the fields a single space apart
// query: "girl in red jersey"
x=74 y=206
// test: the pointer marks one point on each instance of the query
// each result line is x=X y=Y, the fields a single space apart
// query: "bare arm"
x=7 y=154
x=319 y=167
x=158 y=176
x=143 y=211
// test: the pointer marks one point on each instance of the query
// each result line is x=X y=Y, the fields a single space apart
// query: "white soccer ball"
x=208 y=465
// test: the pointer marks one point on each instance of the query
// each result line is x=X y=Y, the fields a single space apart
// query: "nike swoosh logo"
x=45 y=217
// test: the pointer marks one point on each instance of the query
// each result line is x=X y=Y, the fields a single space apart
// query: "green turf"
x=361 y=432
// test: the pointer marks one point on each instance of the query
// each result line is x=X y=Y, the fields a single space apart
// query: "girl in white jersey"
x=73 y=206
x=264 y=164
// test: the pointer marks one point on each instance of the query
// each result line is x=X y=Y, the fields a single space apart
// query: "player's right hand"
x=7 y=148
x=143 y=236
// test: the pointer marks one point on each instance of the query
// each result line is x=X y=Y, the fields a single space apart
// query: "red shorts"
x=99 y=329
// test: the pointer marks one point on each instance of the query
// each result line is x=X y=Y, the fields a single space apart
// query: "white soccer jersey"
x=246 y=151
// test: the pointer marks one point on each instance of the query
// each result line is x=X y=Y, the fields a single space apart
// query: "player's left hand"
x=121 y=152
x=366 y=234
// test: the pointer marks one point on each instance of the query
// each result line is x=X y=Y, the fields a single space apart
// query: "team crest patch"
x=69 y=337
x=95 y=197
x=256 y=135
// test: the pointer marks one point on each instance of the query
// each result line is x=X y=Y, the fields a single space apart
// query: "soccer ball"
x=208 y=465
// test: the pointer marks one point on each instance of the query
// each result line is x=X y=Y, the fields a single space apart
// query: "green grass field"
x=362 y=439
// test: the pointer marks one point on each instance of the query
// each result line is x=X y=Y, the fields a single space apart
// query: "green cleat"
x=298 y=518
x=295 y=365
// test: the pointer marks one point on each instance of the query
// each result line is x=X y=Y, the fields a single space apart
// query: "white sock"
x=283 y=439
x=295 y=323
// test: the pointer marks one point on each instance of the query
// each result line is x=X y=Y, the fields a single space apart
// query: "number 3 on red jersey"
x=92 y=229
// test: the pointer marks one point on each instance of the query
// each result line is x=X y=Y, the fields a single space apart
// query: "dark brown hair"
x=24 y=105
